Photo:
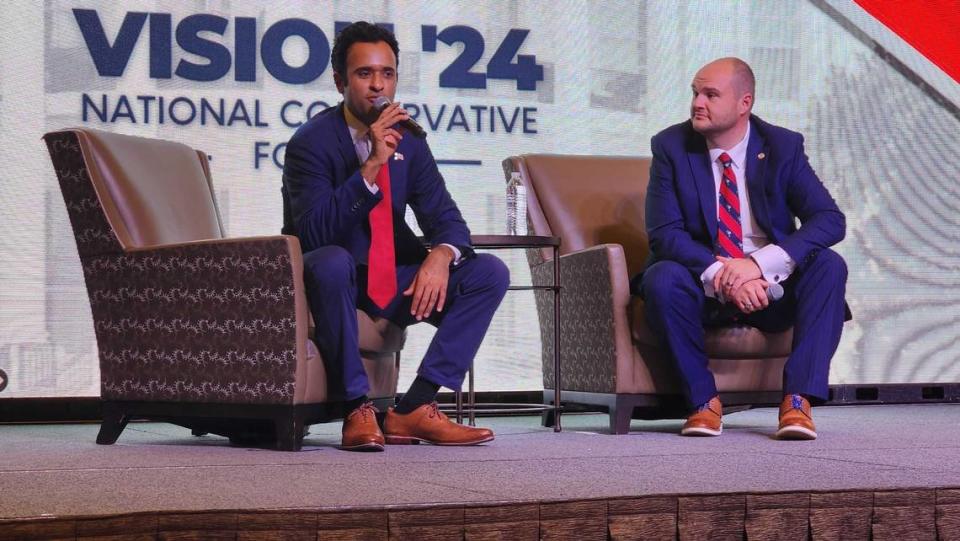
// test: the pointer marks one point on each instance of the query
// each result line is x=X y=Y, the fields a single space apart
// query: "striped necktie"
x=729 y=233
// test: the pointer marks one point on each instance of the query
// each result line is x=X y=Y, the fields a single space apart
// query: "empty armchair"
x=609 y=357
x=193 y=327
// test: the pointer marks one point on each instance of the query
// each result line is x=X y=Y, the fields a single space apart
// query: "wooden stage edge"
x=920 y=513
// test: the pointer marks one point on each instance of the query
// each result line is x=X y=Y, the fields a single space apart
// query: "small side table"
x=513 y=242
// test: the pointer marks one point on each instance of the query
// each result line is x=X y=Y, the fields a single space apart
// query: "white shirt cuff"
x=774 y=262
x=374 y=189
x=707 y=279
x=456 y=253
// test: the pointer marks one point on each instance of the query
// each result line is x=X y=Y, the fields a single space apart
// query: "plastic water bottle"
x=516 y=205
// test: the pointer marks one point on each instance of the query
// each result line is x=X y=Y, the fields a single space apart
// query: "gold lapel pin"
x=761 y=156
x=397 y=156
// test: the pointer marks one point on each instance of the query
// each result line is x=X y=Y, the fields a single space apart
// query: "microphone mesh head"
x=381 y=103
x=774 y=292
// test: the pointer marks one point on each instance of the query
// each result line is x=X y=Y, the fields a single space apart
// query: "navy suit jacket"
x=681 y=205
x=326 y=201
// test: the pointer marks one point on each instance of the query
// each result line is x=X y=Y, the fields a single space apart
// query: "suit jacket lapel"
x=757 y=179
x=345 y=143
x=699 y=160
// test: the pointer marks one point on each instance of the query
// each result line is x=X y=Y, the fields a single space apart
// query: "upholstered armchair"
x=609 y=357
x=193 y=327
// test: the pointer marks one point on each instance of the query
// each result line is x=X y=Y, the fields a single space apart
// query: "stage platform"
x=880 y=472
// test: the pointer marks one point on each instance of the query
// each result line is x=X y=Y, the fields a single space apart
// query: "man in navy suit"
x=726 y=190
x=349 y=174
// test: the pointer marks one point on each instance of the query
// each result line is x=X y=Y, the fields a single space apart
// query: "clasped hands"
x=740 y=282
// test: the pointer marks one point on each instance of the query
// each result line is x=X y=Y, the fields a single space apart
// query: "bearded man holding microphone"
x=349 y=174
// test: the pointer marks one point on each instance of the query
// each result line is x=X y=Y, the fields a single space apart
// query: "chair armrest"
x=250 y=242
x=594 y=323
x=206 y=321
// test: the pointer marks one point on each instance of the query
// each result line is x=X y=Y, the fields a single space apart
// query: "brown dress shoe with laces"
x=428 y=424
x=706 y=421
x=361 y=431
x=796 y=423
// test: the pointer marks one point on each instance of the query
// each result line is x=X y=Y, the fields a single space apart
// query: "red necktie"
x=729 y=234
x=381 y=265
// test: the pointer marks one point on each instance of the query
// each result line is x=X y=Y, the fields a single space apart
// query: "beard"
x=712 y=124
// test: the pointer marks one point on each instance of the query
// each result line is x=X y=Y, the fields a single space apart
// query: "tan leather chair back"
x=587 y=200
x=152 y=191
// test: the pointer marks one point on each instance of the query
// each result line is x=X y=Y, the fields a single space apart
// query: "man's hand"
x=733 y=274
x=384 y=139
x=429 y=287
x=751 y=296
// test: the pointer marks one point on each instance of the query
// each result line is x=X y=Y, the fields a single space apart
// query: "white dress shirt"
x=774 y=263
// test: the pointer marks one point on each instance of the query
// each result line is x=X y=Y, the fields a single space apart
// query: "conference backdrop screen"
x=487 y=79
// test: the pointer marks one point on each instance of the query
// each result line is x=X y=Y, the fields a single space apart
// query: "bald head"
x=722 y=101
x=740 y=72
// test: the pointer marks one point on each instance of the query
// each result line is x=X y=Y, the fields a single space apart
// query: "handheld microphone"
x=409 y=124
x=774 y=292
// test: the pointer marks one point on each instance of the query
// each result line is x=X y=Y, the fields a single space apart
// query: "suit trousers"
x=336 y=288
x=677 y=309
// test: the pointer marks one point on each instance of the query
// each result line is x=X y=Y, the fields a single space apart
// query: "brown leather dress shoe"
x=796 y=423
x=361 y=431
x=428 y=424
x=706 y=421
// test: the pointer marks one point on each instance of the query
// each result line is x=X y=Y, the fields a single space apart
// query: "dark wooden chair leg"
x=289 y=433
x=621 y=412
x=114 y=421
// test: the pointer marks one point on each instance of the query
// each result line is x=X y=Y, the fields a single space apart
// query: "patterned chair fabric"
x=182 y=314
x=609 y=356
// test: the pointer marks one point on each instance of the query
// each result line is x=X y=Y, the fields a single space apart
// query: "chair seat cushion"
x=377 y=334
x=734 y=342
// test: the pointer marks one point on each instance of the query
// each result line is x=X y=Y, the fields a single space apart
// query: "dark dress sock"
x=351 y=405
x=421 y=392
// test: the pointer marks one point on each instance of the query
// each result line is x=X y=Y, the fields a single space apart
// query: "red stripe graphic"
x=929 y=26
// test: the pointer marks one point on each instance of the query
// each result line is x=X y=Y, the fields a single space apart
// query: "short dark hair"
x=363 y=32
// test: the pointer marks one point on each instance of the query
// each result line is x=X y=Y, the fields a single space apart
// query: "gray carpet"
x=59 y=470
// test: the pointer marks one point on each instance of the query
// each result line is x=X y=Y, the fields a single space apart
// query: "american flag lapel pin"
x=397 y=156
